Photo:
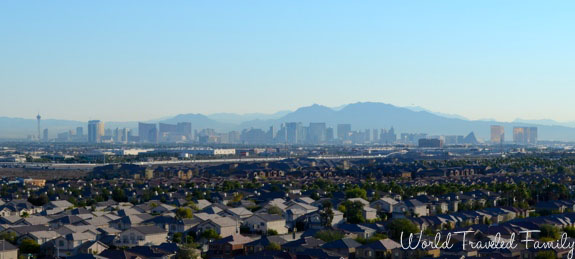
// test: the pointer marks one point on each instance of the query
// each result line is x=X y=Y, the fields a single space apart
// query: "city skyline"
x=87 y=61
x=292 y=133
x=361 y=116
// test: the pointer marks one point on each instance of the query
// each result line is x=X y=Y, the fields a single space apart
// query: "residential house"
x=127 y=222
x=369 y=213
x=302 y=244
x=412 y=207
x=314 y=220
x=384 y=204
x=228 y=247
x=67 y=245
x=385 y=248
x=263 y=222
x=262 y=243
x=7 y=250
x=142 y=235
x=41 y=237
x=224 y=226
x=345 y=246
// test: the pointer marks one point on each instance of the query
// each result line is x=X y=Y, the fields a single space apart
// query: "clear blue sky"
x=136 y=60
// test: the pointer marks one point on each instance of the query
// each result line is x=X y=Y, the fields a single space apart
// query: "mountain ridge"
x=361 y=115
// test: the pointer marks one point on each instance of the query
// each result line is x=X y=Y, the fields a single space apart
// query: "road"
x=202 y=161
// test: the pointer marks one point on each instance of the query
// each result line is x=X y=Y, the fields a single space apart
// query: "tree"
x=326 y=216
x=570 y=231
x=356 y=193
x=549 y=231
x=272 y=232
x=119 y=195
x=353 y=212
x=275 y=210
x=237 y=198
x=210 y=234
x=273 y=247
x=177 y=238
x=187 y=252
x=326 y=204
x=9 y=236
x=397 y=226
x=192 y=205
x=40 y=200
x=29 y=246
x=184 y=213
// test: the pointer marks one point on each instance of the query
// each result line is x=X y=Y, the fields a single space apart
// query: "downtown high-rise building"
x=182 y=131
x=79 y=131
x=329 y=134
x=121 y=135
x=316 y=134
x=293 y=132
x=343 y=131
x=148 y=132
x=388 y=137
x=525 y=135
x=45 y=135
x=375 y=135
x=95 y=131
x=497 y=134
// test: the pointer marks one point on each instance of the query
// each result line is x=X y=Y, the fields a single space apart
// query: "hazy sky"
x=136 y=60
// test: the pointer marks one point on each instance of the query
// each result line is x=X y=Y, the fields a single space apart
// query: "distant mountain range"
x=367 y=115
x=547 y=122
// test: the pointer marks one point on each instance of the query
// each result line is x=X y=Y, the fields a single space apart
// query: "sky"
x=139 y=60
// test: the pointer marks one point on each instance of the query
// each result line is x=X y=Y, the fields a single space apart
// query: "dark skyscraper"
x=148 y=132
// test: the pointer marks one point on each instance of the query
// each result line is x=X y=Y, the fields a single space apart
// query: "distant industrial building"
x=95 y=131
x=430 y=143
x=497 y=134
x=130 y=152
x=205 y=152
x=412 y=138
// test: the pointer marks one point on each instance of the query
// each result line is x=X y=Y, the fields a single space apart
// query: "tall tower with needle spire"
x=39 y=131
